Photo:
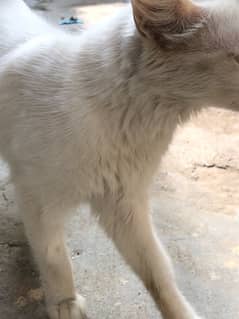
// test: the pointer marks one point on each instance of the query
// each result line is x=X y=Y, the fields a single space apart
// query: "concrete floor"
x=195 y=209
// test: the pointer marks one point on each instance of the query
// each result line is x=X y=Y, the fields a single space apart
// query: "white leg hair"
x=45 y=233
x=129 y=226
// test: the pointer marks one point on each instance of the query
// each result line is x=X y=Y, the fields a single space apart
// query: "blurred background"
x=195 y=206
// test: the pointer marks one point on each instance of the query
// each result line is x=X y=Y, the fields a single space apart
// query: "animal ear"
x=168 y=22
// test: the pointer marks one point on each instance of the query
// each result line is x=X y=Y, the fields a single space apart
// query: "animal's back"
x=18 y=24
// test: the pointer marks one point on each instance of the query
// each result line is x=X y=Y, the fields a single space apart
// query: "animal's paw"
x=68 y=309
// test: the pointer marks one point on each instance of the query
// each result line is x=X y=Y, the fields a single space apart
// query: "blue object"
x=70 y=20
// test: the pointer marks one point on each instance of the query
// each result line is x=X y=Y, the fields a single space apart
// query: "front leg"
x=128 y=224
x=45 y=231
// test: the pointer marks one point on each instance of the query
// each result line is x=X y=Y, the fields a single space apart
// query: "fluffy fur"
x=87 y=119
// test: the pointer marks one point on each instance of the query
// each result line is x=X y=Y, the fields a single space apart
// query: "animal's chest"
x=127 y=167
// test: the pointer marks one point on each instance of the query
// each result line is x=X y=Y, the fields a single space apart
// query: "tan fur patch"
x=155 y=18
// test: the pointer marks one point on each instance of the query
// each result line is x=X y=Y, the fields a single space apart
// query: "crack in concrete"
x=214 y=165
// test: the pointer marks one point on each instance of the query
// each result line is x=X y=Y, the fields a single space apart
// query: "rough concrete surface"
x=195 y=206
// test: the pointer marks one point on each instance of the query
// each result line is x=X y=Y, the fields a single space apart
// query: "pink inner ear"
x=155 y=18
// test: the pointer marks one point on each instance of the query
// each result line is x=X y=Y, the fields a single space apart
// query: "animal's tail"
x=17 y=24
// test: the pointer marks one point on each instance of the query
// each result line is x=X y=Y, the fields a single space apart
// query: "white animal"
x=86 y=119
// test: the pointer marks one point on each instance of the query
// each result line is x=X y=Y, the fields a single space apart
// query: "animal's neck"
x=141 y=112
x=117 y=77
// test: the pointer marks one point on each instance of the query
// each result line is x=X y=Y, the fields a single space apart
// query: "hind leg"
x=45 y=231
x=129 y=225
